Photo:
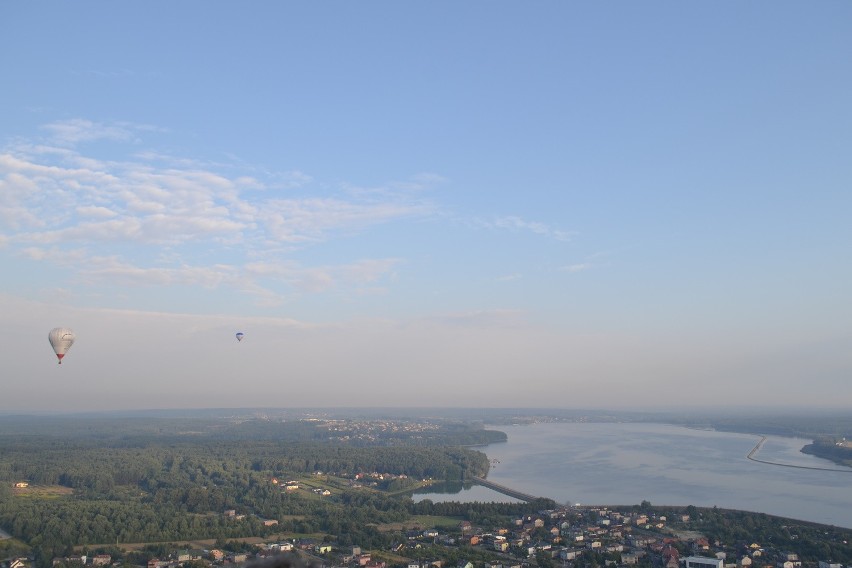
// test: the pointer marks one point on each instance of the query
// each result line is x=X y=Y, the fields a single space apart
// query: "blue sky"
x=426 y=204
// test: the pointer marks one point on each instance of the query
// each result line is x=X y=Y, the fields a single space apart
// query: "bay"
x=627 y=463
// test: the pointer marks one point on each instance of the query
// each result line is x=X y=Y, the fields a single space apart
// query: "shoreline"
x=756 y=449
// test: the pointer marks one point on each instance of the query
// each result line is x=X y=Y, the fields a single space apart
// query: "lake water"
x=625 y=464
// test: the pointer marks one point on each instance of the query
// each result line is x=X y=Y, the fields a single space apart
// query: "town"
x=566 y=537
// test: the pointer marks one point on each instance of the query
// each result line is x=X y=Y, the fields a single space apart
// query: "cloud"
x=321 y=278
x=313 y=219
x=577 y=267
x=514 y=223
x=58 y=203
x=399 y=188
x=74 y=131
x=96 y=211
x=510 y=277
x=486 y=319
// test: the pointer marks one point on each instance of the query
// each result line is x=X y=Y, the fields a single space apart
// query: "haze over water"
x=624 y=464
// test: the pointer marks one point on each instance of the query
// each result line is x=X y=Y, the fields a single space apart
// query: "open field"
x=42 y=491
x=389 y=557
x=419 y=522
x=204 y=544
x=432 y=521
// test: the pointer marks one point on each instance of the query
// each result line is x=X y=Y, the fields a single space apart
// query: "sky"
x=633 y=205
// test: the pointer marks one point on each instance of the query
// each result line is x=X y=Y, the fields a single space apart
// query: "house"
x=101 y=560
x=570 y=553
x=703 y=562
x=22 y=484
x=670 y=555
x=322 y=548
x=701 y=544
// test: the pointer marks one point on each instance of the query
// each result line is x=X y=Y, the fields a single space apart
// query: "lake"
x=625 y=464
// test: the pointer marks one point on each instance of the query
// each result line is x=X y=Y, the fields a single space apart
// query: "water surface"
x=625 y=464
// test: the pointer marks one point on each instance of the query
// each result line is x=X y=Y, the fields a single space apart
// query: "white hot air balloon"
x=61 y=339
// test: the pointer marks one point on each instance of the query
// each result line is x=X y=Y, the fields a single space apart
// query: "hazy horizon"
x=426 y=204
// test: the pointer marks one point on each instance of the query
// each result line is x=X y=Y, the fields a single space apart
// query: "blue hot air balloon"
x=240 y=335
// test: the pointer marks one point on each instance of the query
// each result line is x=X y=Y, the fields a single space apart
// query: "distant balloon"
x=61 y=339
x=240 y=335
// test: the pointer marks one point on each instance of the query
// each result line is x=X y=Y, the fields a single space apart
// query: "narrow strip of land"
x=505 y=490
x=759 y=445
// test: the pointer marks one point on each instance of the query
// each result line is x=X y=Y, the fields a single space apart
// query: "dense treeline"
x=236 y=464
x=827 y=448
x=139 y=431
x=481 y=514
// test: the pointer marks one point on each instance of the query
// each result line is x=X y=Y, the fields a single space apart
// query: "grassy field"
x=202 y=543
x=42 y=491
x=419 y=523
x=431 y=521
x=389 y=557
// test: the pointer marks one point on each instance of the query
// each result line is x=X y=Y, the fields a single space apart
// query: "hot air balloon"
x=240 y=335
x=61 y=339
